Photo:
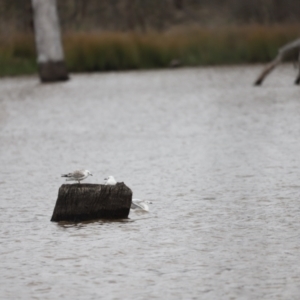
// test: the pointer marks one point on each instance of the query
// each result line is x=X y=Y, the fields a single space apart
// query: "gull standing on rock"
x=77 y=175
x=110 y=180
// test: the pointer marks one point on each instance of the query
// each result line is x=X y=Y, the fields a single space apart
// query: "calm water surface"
x=219 y=159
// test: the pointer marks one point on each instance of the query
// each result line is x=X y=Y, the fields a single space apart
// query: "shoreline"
x=121 y=51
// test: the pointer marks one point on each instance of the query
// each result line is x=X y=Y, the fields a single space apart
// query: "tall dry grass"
x=193 y=46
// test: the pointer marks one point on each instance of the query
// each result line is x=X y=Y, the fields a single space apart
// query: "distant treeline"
x=148 y=15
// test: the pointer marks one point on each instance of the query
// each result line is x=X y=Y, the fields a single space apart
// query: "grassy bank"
x=17 y=55
x=122 y=51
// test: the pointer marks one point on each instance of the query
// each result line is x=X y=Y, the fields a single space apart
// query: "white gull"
x=140 y=204
x=110 y=180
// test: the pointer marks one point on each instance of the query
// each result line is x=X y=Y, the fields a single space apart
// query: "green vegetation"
x=87 y=52
x=17 y=55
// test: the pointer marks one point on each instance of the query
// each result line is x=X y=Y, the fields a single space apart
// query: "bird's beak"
x=91 y=174
x=105 y=178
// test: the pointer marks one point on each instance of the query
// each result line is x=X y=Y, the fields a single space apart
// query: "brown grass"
x=100 y=51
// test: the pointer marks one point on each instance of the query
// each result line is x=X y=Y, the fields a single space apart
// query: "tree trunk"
x=50 y=55
x=83 y=202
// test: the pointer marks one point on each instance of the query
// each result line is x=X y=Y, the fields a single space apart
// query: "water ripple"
x=218 y=158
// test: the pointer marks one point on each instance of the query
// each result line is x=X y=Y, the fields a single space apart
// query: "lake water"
x=219 y=159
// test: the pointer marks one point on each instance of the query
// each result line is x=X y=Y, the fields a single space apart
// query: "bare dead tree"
x=50 y=56
x=282 y=52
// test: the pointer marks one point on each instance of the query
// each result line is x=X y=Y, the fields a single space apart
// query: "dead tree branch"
x=282 y=52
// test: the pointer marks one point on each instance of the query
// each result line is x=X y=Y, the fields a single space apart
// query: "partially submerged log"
x=282 y=52
x=83 y=202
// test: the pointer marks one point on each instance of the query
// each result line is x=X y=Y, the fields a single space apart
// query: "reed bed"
x=105 y=51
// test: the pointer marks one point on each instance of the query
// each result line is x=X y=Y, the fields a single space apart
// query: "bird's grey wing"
x=78 y=174
x=138 y=204
x=133 y=205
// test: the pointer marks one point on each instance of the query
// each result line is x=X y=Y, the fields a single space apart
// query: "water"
x=218 y=158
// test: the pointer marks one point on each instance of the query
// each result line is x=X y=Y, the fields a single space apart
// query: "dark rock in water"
x=83 y=202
